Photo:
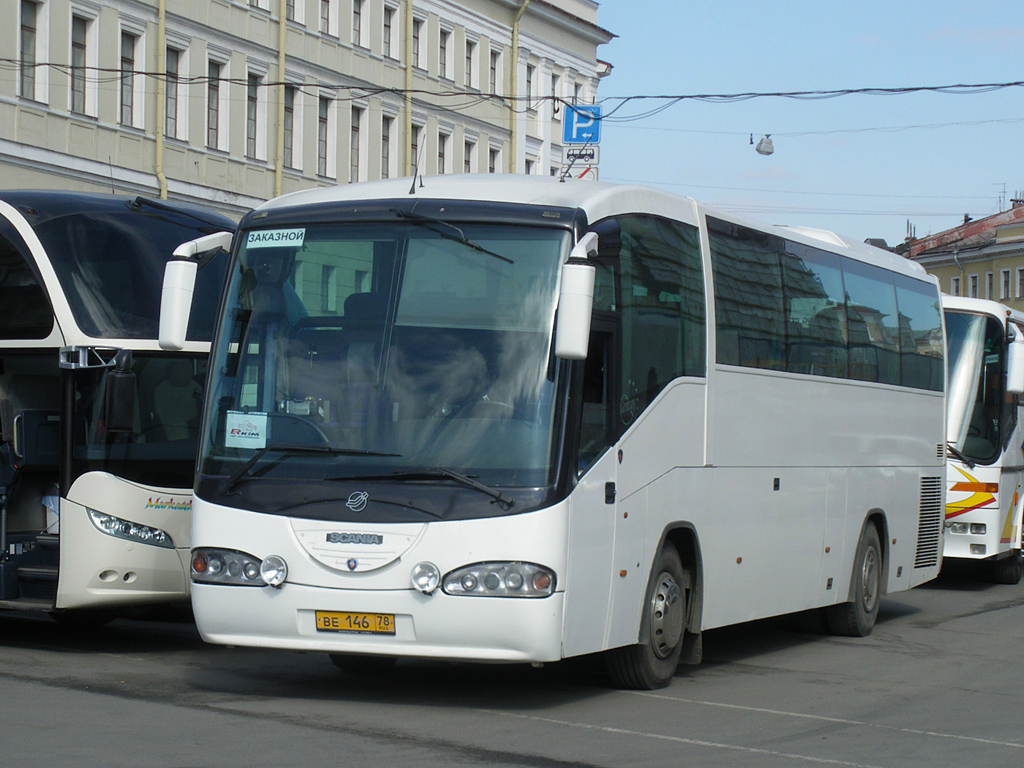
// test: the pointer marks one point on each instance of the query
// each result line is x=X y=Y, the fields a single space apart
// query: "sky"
x=860 y=165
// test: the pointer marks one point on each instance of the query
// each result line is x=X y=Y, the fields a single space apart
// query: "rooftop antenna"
x=1002 y=195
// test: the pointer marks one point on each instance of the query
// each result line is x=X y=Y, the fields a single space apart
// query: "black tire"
x=857 y=617
x=363 y=666
x=652 y=662
x=1008 y=570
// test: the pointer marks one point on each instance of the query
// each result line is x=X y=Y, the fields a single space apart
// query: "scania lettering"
x=581 y=417
x=98 y=426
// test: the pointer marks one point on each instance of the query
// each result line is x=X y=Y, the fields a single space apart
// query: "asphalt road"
x=937 y=684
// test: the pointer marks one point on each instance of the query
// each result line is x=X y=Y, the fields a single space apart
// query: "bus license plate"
x=343 y=621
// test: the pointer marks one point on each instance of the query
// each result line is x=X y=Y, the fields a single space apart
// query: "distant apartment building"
x=983 y=258
x=219 y=102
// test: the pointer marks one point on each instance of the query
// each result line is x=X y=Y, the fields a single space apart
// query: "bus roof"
x=987 y=306
x=595 y=198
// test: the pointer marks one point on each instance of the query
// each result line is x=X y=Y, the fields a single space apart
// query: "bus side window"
x=596 y=426
x=26 y=309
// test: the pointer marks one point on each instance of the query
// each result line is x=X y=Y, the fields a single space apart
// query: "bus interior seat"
x=170 y=400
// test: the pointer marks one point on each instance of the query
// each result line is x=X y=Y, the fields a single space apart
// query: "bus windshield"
x=110 y=264
x=975 y=362
x=393 y=350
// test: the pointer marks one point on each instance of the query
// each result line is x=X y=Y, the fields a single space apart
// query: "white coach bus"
x=507 y=418
x=99 y=425
x=985 y=436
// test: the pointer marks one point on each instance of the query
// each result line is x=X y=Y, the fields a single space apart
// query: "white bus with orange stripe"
x=985 y=479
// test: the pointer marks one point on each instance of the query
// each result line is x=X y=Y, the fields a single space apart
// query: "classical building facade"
x=219 y=102
x=983 y=258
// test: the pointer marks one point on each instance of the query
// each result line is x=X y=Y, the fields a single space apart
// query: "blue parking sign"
x=582 y=125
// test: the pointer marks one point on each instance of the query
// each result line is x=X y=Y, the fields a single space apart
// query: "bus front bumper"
x=427 y=626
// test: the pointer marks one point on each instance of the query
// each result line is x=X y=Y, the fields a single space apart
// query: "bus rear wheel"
x=857 y=617
x=652 y=663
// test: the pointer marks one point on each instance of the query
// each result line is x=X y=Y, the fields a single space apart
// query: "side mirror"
x=576 y=301
x=1015 y=364
x=179 y=285
x=119 y=402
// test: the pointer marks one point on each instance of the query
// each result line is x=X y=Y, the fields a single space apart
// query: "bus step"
x=37 y=573
x=37 y=582
x=27 y=604
x=48 y=540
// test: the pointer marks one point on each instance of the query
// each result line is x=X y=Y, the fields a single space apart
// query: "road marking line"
x=679 y=739
x=826 y=719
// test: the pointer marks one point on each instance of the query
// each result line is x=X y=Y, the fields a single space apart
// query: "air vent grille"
x=929 y=523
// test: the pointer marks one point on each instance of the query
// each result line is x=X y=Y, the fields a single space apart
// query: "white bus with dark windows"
x=502 y=418
x=98 y=425
x=985 y=479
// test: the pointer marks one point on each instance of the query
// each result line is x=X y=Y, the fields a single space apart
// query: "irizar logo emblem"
x=355 y=538
x=357 y=501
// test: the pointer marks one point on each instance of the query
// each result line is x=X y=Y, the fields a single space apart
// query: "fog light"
x=426 y=577
x=978 y=529
x=958 y=528
x=274 y=570
x=978 y=549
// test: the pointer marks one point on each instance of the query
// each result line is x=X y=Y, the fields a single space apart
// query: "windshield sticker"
x=245 y=430
x=275 y=238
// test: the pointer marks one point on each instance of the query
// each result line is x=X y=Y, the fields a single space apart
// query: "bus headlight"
x=129 y=531
x=425 y=577
x=225 y=566
x=500 y=580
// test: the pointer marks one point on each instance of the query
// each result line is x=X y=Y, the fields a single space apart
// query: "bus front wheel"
x=652 y=663
x=1009 y=570
x=856 y=618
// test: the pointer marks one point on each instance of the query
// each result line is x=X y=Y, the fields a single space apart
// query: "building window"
x=470 y=56
x=555 y=83
x=495 y=61
x=414 y=147
x=417 y=33
x=329 y=289
x=252 y=102
x=954 y=286
x=973 y=286
x=322 y=135
x=468 y=157
x=357 y=22
x=357 y=118
x=389 y=18
x=493 y=160
x=325 y=16
x=442 y=53
x=529 y=165
x=577 y=93
x=989 y=286
x=127 y=77
x=27 y=81
x=213 y=106
x=1004 y=293
x=442 y=152
x=385 y=147
x=289 y=125
x=1020 y=283
x=79 y=29
x=171 y=65
x=530 y=72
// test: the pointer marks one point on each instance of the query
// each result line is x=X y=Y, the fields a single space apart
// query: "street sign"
x=582 y=125
x=588 y=154
x=579 y=171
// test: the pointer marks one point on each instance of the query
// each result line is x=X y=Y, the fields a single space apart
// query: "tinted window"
x=26 y=310
x=815 y=312
x=748 y=294
x=920 y=323
x=872 y=323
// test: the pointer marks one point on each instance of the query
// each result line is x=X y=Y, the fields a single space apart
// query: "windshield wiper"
x=242 y=471
x=428 y=222
x=950 y=448
x=503 y=501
